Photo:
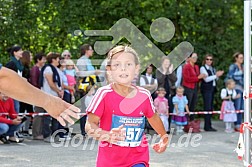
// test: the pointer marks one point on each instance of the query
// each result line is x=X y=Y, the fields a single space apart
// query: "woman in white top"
x=208 y=88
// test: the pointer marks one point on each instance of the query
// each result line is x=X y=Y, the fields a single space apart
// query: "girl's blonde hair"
x=229 y=81
x=180 y=88
x=122 y=48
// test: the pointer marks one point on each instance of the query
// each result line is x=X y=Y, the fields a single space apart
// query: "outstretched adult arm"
x=18 y=88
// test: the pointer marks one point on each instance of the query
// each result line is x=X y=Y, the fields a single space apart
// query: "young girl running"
x=228 y=114
x=116 y=115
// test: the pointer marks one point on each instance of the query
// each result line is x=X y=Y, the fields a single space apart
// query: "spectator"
x=191 y=77
x=8 y=126
x=70 y=72
x=228 y=95
x=39 y=61
x=166 y=79
x=66 y=54
x=84 y=63
x=51 y=83
x=56 y=107
x=86 y=68
x=24 y=107
x=15 y=65
x=208 y=88
x=179 y=74
x=66 y=97
x=85 y=101
x=148 y=81
x=180 y=106
x=236 y=73
x=162 y=107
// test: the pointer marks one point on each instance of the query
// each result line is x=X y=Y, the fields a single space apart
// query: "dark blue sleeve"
x=0 y=66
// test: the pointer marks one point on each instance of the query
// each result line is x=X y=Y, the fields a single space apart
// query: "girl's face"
x=18 y=54
x=161 y=93
x=231 y=85
x=166 y=63
x=123 y=68
x=69 y=67
x=239 y=59
x=180 y=92
x=209 y=61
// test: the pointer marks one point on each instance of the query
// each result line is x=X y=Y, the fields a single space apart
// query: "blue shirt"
x=181 y=102
x=0 y=66
x=85 y=64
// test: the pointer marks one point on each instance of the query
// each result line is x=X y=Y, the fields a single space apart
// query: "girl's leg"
x=227 y=125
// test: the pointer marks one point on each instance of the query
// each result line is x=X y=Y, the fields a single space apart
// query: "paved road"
x=205 y=149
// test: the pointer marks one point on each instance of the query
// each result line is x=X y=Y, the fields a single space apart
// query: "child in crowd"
x=116 y=115
x=70 y=72
x=161 y=105
x=228 y=114
x=180 y=106
x=85 y=101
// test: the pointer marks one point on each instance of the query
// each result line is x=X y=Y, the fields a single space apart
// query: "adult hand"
x=61 y=110
x=201 y=76
x=219 y=73
x=170 y=69
x=16 y=121
x=97 y=72
x=61 y=94
x=238 y=96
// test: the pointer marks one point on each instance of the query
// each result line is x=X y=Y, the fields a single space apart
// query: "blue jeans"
x=8 y=130
x=16 y=105
x=239 y=105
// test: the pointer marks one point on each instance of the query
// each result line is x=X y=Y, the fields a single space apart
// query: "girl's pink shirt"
x=107 y=102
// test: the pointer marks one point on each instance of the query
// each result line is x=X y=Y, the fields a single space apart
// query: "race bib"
x=134 y=128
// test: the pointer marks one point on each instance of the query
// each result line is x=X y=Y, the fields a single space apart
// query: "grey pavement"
x=205 y=149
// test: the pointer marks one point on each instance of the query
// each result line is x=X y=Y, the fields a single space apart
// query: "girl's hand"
x=117 y=134
x=160 y=146
x=238 y=96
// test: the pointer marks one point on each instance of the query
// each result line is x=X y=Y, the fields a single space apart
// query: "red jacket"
x=190 y=75
x=7 y=107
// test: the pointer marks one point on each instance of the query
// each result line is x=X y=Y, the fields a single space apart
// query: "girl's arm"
x=158 y=126
x=93 y=130
x=76 y=68
x=176 y=108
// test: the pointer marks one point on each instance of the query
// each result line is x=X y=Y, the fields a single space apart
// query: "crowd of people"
x=174 y=91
